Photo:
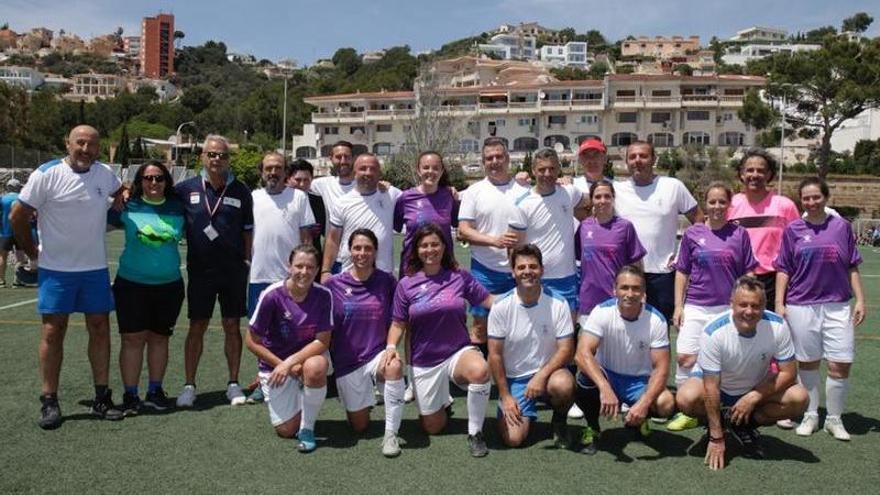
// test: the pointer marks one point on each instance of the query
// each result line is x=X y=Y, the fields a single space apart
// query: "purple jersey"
x=817 y=259
x=285 y=326
x=361 y=315
x=434 y=307
x=602 y=250
x=713 y=260
x=414 y=209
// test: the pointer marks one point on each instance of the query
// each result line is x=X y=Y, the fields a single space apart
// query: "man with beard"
x=332 y=187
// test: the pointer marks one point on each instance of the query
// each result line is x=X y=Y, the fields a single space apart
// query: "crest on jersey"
x=589 y=234
x=545 y=329
x=702 y=241
x=348 y=291
x=763 y=356
x=808 y=238
x=642 y=345
x=424 y=287
x=419 y=203
x=287 y=315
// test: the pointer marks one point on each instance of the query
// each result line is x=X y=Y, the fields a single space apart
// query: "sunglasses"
x=154 y=178
x=217 y=155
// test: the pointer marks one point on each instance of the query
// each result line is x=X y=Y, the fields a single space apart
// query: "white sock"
x=836 y=390
x=682 y=373
x=477 y=400
x=393 y=404
x=313 y=399
x=810 y=380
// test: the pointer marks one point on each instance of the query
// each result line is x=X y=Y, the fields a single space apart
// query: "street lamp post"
x=177 y=140
x=284 y=122
x=782 y=146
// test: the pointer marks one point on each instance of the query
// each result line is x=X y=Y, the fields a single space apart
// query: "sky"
x=307 y=30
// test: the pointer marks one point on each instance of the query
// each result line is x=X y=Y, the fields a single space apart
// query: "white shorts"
x=694 y=320
x=431 y=385
x=284 y=401
x=821 y=331
x=356 y=388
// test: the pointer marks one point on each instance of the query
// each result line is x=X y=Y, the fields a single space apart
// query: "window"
x=588 y=119
x=474 y=127
x=627 y=117
x=382 y=148
x=626 y=93
x=623 y=138
x=359 y=130
x=498 y=123
x=731 y=139
x=661 y=117
x=469 y=146
x=331 y=130
x=383 y=128
x=661 y=93
x=727 y=117
x=698 y=115
x=661 y=139
x=700 y=138
x=525 y=144
x=526 y=122
x=556 y=119
x=551 y=141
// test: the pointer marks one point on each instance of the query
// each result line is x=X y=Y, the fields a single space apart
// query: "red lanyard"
x=210 y=210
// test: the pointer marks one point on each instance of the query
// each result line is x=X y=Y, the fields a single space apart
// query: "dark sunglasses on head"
x=217 y=154
x=154 y=178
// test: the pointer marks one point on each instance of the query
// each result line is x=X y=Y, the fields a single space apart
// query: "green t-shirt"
x=152 y=233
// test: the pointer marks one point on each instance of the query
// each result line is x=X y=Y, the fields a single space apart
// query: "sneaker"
x=131 y=404
x=809 y=425
x=256 y=396
x=187 y=396
x=408 y=395
x=786 y=424
x=307 y=441
x=477 y=445
x=157 y=400
x=588 y=441
x=50 y=413
x=575 y=412
x=834 y=426
x=747 y=436
x=234 y=394
x=102 y=407
x=390 y=445
x=682 y=422
x=644 y=429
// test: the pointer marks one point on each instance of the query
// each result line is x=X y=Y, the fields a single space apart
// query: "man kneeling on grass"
x=734 y=387
x=531 y=339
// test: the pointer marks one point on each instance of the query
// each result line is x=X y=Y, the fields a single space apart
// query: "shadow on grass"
x=774 y=448
x=856 y=424
x=615 y=440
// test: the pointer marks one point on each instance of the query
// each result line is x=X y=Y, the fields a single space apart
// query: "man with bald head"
x=71 y=196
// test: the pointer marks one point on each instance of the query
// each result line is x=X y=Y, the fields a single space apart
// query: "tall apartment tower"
x=157 y=46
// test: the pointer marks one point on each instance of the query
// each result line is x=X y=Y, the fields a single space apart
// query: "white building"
x=25 y=77
x=864 y=126
x=511 y=46
x=759 y=33
x=573 y=53
x=739 y=55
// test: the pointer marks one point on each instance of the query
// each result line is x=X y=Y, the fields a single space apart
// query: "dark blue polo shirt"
x=233 y=216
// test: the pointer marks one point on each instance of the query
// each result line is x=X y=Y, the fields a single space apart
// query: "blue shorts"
x=335 y=268
x=494 y=281
x=566 y=288
x=74 y=292
x=254 y=291
x=729 y=400
x=527 y=407
x=628 y=389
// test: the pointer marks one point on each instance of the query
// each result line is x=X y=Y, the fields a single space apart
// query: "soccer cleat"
x=408 y=395
x=645 y=429
x=256 y=396
x=575 y=412
x=834 y=426
x=187 y=396
x=809 y=425
x=157 y=400
x=588 y=441
x=50 y=413
x=390 y=445
x=131 y=404
x=102 y=407
x=234 y=394
x=786 y=424
x=682 y=422
x=477 y=445
x=307 y=441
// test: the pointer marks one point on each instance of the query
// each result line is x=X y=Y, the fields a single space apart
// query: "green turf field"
x=216 y=448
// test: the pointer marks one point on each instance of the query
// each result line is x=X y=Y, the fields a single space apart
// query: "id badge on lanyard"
x=210 y=232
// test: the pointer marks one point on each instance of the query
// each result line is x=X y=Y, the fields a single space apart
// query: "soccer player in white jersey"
x=734 y=386
x=545 y=217
x=531 y=339
x=486 y=210
x=71 y=197
x=340 y=182
x=365 y=207
x=653 y=203
x=623 y=358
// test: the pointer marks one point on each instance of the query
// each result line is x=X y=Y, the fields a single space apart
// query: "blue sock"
x=131 y=389
x=154 y=387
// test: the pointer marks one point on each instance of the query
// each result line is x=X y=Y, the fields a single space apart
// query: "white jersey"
x=626 y=346
x=330 y=190
x=530 y=333
x=549 y=223
x=71 y=214
x=654 y=210
x=743 y=361
x=583 y=185
x=489 y=208
x=278 y=219
x=374 y=211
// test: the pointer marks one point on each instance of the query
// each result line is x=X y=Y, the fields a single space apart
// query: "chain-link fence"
x=15 y=157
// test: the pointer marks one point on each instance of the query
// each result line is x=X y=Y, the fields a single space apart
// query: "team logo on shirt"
x=348 y=291
x=419 y=203
x=100 y=191
x=424 y=287
x=702 y=241
x=589 y=234
x=642 y=345
x=545 y=329
x=287 y=315
x=808 y=238
x=763 y=356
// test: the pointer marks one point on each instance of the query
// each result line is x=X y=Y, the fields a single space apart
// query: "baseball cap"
x=592 y=144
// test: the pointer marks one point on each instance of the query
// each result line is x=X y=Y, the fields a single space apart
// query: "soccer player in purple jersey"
x=431 y=302
x=362 y=300
x=711 y=257
x=289 y=334
x=817 y=275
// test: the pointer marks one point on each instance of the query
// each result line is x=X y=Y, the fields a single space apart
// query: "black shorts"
x=769 y=281
x=8 y=243
x=203 y=289
x=661 y=292
x=142 y=307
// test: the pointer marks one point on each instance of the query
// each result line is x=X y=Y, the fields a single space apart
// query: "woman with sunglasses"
x=148 y=288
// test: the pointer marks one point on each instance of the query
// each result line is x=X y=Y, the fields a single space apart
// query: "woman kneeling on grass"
x=289 y=334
